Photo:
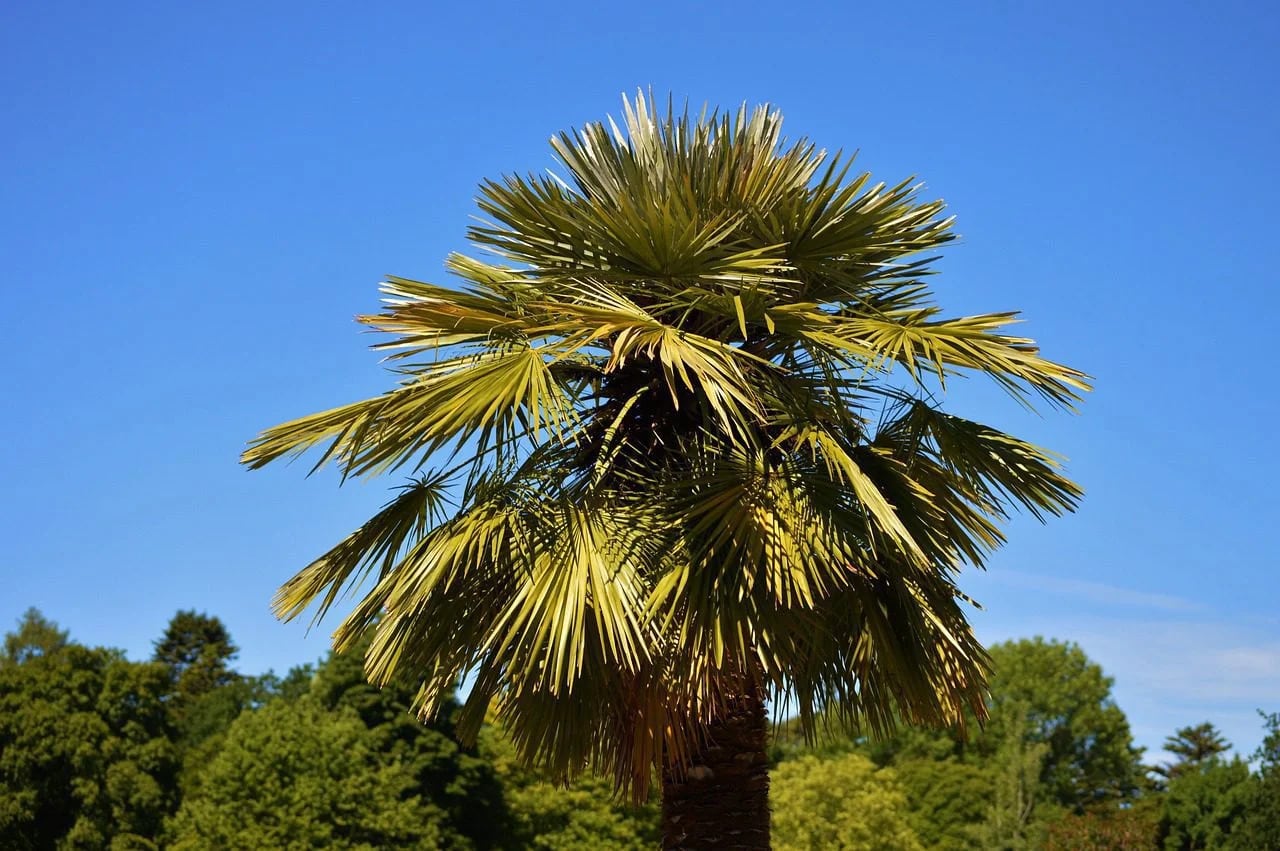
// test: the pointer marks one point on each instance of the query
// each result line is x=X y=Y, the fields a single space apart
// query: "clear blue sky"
x=198 y=198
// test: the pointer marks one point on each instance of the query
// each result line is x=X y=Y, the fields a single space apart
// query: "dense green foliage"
x=556 y=817
x=1204 y=804
x=867 y=812
x=197 y=651
x=86 y=744
x=97 y=751
x=294 y=775
x=1259 y=825
x=945 y=799
x=1058 y=698
x=1134 y=829
x=1055 y=768
x=461 y=783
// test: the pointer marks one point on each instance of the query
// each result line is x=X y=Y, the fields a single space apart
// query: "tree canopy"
x=197 y=648
x=294 y=775
x=86 y=750
x=1204 y=803
x=92 y=755
x=844 y=802
x=684 y=431
x=1260 y=823
x=35 y=636
x=1064 y=700
x=1193 y=746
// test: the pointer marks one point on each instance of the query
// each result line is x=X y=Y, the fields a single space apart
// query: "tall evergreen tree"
x=1193 y=746
x=197 y=649
x=35 y=636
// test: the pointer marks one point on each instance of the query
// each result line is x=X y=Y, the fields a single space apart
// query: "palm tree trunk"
x=722 y=801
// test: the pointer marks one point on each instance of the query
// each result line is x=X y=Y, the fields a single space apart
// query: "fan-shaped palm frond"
x=663 y=424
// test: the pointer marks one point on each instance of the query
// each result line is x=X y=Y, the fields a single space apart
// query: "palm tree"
x=676 y=453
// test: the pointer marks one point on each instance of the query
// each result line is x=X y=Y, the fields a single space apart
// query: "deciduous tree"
x=294 y=775
x=86 y=756
x=1062 y=699
x=843 y=802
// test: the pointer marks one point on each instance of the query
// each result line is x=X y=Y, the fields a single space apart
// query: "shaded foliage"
x=458 y=780
x=1104 y=830
x=1205 y=803
x=1260 y=825
x=211 y=713
x=947 y=799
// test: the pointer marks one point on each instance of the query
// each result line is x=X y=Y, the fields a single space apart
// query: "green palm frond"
x=378 y=544
x=670 y=470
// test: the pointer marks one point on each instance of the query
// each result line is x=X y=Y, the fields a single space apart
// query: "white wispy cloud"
x=1095 y=592
x=1175 y=661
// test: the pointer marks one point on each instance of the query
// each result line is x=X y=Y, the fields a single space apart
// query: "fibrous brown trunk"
x=722 y=801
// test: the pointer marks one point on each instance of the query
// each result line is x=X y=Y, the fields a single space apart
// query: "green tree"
x=209 y=714
x=578 y=817
x=1260 y=825
x=197 y=650
x=843 y=802
x=1017 y=767
x=294 y=775
x=910 y=743
x=947 y=799
x=206 y=694
x=86 y=757
x=458 y=780
x=1204 y=805
x=1051 y=710
x=947 y=794
x=35 y=636
x=565 y=817
x=693 y=416
x=1062 y=699
x=205 y=720
x=1193 y=746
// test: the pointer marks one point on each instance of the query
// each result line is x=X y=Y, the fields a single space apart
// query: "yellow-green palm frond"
x=683 y=447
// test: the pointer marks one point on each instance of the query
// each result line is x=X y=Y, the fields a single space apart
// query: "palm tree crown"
x=682 y=432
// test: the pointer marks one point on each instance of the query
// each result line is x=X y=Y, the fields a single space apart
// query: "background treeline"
x=182 y=751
